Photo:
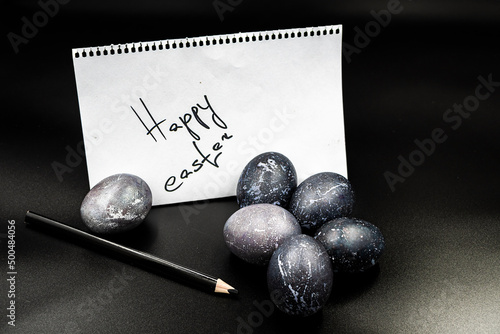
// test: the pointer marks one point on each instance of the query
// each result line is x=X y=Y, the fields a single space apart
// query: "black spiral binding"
x=205 y=41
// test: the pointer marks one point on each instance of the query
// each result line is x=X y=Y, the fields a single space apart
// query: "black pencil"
x=172 y=270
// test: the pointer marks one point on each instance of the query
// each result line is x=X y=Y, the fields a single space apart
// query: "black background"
x=441 y=269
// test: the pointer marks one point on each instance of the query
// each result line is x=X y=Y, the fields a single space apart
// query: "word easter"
x=188 y=122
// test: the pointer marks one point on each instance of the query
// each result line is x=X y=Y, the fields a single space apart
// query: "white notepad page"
x=187 y=115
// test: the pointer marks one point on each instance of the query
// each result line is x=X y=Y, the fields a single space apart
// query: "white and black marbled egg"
x=300 y=276
x=254 y=232
x=320 y=198
x=268 y=178
x=116 y=204
x=354 y=245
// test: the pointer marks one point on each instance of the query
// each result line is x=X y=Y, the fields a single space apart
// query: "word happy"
x=192 y=123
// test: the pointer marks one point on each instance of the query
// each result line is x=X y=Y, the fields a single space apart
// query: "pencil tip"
x=223 y=287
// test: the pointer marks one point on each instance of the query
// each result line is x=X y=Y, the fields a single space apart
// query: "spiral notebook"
x=187 y=115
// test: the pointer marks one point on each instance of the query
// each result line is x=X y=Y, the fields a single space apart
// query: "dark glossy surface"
x=353 y=244
x=300 y=276
x=268 y=178
x=440 y=272
x=321 y=198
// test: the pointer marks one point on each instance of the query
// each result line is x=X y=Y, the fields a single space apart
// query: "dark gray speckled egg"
x=320 y=198
x=300 y=276
x=354 y=245
x=116 y=204
x=268 y=178
x=254 y=232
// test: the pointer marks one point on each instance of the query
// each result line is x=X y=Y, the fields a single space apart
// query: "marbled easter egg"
x=268 y=178
x=353 y=244
x=320 y=198
x=254 y=232
x=116 y=204
x=300 y=276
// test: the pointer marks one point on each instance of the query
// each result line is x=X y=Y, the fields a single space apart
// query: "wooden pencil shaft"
x=149 y=261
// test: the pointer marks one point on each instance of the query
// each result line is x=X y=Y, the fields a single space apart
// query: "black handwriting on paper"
x=188 y=122
x=195 y=112
x=185 y=120
x=155 y=126
x=172 y=185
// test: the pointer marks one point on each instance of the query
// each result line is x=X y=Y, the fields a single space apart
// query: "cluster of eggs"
x=303 y=233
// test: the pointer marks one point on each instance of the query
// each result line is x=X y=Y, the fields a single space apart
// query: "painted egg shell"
x=353 y=244
x=268 y=178
x=254 y=232
x=320 y=198
x=116 y=204
x=300 y=276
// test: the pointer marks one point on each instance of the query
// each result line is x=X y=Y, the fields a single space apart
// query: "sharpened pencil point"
x=223 y=287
